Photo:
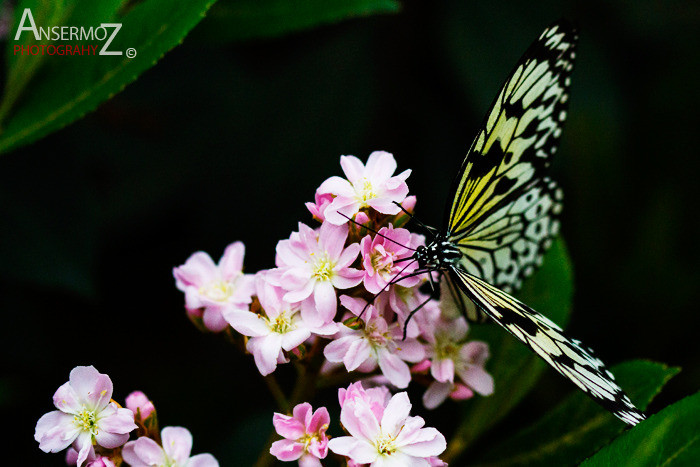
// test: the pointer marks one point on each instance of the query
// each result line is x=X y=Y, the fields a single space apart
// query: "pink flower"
x=85 y=415
x=395 y=438
x=450 y=355
x=322 y=201
x=379 y=256
x=177 y=445
x=215 y=288
x=304 y=433
x=93 y=460
x=138 y=403
x=312 y=265
x=281 y=328
x=377 y=343
x=372 y=186
x=377 y=398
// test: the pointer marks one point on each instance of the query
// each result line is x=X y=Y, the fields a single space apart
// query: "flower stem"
x=304 y=389
x=277 y=393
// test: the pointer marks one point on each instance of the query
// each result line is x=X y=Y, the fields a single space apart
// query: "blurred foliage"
x=46 y=92
x=236 y=20
x=669 y=438
x=198 y=152
x=514 y=367
x=578 y=427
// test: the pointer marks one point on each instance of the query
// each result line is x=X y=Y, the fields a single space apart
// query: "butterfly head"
x=438 y=254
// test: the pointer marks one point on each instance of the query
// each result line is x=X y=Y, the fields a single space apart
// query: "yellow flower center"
x=220 y=291
x=385 y=445
x=86 y=421
x=282 y=324
x=323 y=268
x=365 y=191
x=307 y=439
x=446 y=349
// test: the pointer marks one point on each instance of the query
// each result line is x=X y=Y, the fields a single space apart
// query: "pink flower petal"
x=214 y=320
x=332 y=239
x=325 y=300
x=295 y=338
x=300 y=286
x=91 y=386
x=433 y=444
x=202 y=460
x=384 y=205
x=287 y=450
x=476 y=352
x=341 y=209
x=381 y=165
x=443 y=370
x=348 y=256
x=288 y=427
x=478 y=379
x=83 y=444
x=198 y=270
x=149 y=452
x=359 y=451
x=353 y=168
x=177 y=443
x=55 y=431
x=436 y=394
x=111 y=440
x=396 y=413
x=318 y=420
x=231 y=263
x=265 y=351
x=357 y=353
x=336 y=350
x=410 y=350
x=247 y=323
x=119 y=421
x=395 y=369
x=359 y=421
x=66 y=400
x=337 y=186
x=309 y=460
x=130 y=456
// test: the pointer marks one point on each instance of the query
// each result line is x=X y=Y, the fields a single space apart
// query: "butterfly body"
x=504 y=213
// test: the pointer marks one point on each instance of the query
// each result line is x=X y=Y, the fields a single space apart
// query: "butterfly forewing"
x=513 y=147
x=545 y=338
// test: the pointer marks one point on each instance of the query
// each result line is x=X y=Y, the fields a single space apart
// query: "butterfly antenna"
x=427 y=228
x=376 y=232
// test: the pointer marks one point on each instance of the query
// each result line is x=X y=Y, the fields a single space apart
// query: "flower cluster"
x=342 y=299
x=350 y=283
x=95 y=429
x=381 y=432
x=344 y=302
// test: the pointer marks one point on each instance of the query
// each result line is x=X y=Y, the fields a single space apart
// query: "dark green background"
x=224 y=142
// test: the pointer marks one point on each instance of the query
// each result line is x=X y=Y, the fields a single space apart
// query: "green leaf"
x=515 y=368
x=578 y=426
x=46 y=92
x=235 y=20
x=669 y=438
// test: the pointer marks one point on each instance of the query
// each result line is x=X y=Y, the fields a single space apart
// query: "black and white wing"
x=509 y=244
x=503 y=174
x=568 y=356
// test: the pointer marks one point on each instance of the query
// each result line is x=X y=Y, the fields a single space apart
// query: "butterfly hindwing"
x=548 y=341
x=510 y=243
x=519 y=135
